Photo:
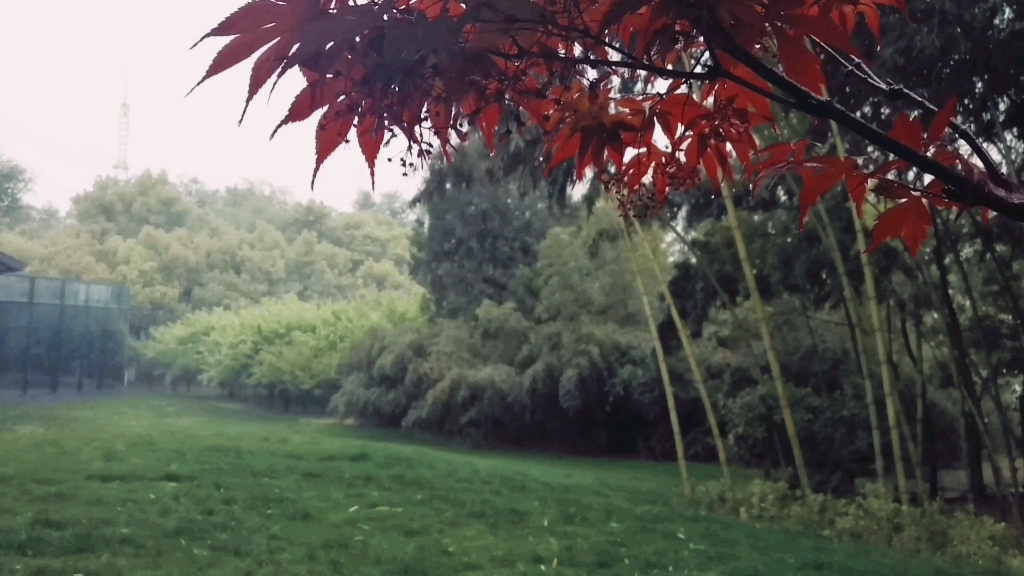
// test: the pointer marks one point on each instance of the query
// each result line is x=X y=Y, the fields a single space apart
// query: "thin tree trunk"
x=662 y=365
x=853 y=314
x=915 y=455
x=923 y=411
x=1003 y=272
x=976 y=488
x=684 y=336
x=972 y=452
x=876 y=321
x=916 y=359
x=928 y=443
x=993 y=382
x=962 y=371
x=769 y=345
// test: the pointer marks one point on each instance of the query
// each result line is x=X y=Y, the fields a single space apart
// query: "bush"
x=283 y=342
x=871 y=518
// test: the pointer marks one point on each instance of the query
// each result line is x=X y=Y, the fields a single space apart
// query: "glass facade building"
x=57 y=333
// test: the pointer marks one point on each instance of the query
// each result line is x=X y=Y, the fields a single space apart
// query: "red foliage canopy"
x=424 y=70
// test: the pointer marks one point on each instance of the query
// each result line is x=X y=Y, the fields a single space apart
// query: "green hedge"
x=275 y=343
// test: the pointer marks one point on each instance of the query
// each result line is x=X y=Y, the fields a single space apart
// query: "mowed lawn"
x=150 y=485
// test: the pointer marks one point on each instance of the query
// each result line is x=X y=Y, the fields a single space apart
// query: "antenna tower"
x=121 y=166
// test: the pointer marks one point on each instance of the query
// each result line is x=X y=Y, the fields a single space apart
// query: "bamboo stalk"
x=688 y=350
x=766 y=336
x=828 y=235
x=876 y=321
x=662 y=365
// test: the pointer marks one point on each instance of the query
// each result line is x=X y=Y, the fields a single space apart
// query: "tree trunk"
x=972 y=439
x=876 y=321
x=962 y=371
x=769 y=345
x=684 y=336
x=993 y=382
x=917 y=360
x=924 y=412
x=1004 y=271
x=1020 y=410
x=853 y=315
x=660 y=352
x=915 y=455
x=915 y=458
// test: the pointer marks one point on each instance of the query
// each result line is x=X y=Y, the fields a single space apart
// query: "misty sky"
x=65 y=66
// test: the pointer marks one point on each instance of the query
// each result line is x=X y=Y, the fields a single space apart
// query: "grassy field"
x=149 y=485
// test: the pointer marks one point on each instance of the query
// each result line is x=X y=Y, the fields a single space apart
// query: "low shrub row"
x=929 y=530
x=277 y=344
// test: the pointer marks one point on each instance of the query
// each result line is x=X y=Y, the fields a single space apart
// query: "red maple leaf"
x=909 y=221
x=908 y=131
x=820 y=175
x=800 y=63
x=940 y=123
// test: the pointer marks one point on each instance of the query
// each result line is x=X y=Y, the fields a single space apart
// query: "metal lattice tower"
x=121 y=166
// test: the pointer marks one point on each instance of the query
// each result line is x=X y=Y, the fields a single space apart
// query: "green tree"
x=15 y=182
x=116 y=207
x=482 y=221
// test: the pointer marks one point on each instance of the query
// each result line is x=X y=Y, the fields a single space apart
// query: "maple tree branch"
x=778 y=98
x=726 y=75
x=710 y=74
x=898 y=91
x=1008 y=201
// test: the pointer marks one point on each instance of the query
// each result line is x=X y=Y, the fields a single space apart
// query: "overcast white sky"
x=65 y=66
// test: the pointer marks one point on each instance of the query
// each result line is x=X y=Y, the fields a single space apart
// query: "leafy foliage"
x=182 y=247
x=483 y=220
x=14 y=183
x=869 y=518
x=425 y=70
x=572 y=371
x=276 y=343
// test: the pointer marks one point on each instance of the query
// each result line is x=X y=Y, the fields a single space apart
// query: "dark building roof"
x=10 y=264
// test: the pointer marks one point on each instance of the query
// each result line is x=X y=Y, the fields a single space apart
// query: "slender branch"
x=727 y=75
x=896 y=91
x=961 y=188
x=708 y=75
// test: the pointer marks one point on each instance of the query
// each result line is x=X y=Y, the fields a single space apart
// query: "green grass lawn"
x=149 y=485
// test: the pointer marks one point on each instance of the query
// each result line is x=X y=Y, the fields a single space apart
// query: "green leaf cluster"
x=182 y=247
x=281 y=342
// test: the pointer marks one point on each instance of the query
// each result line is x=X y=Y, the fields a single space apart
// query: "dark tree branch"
x=1008 y=201
x=861 y=69
x=992 y=190
x=726 y=75
x=708 y=75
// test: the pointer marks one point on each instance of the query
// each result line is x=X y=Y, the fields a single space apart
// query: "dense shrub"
x=873 y=518
x=569 y=368
x=277 y=343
